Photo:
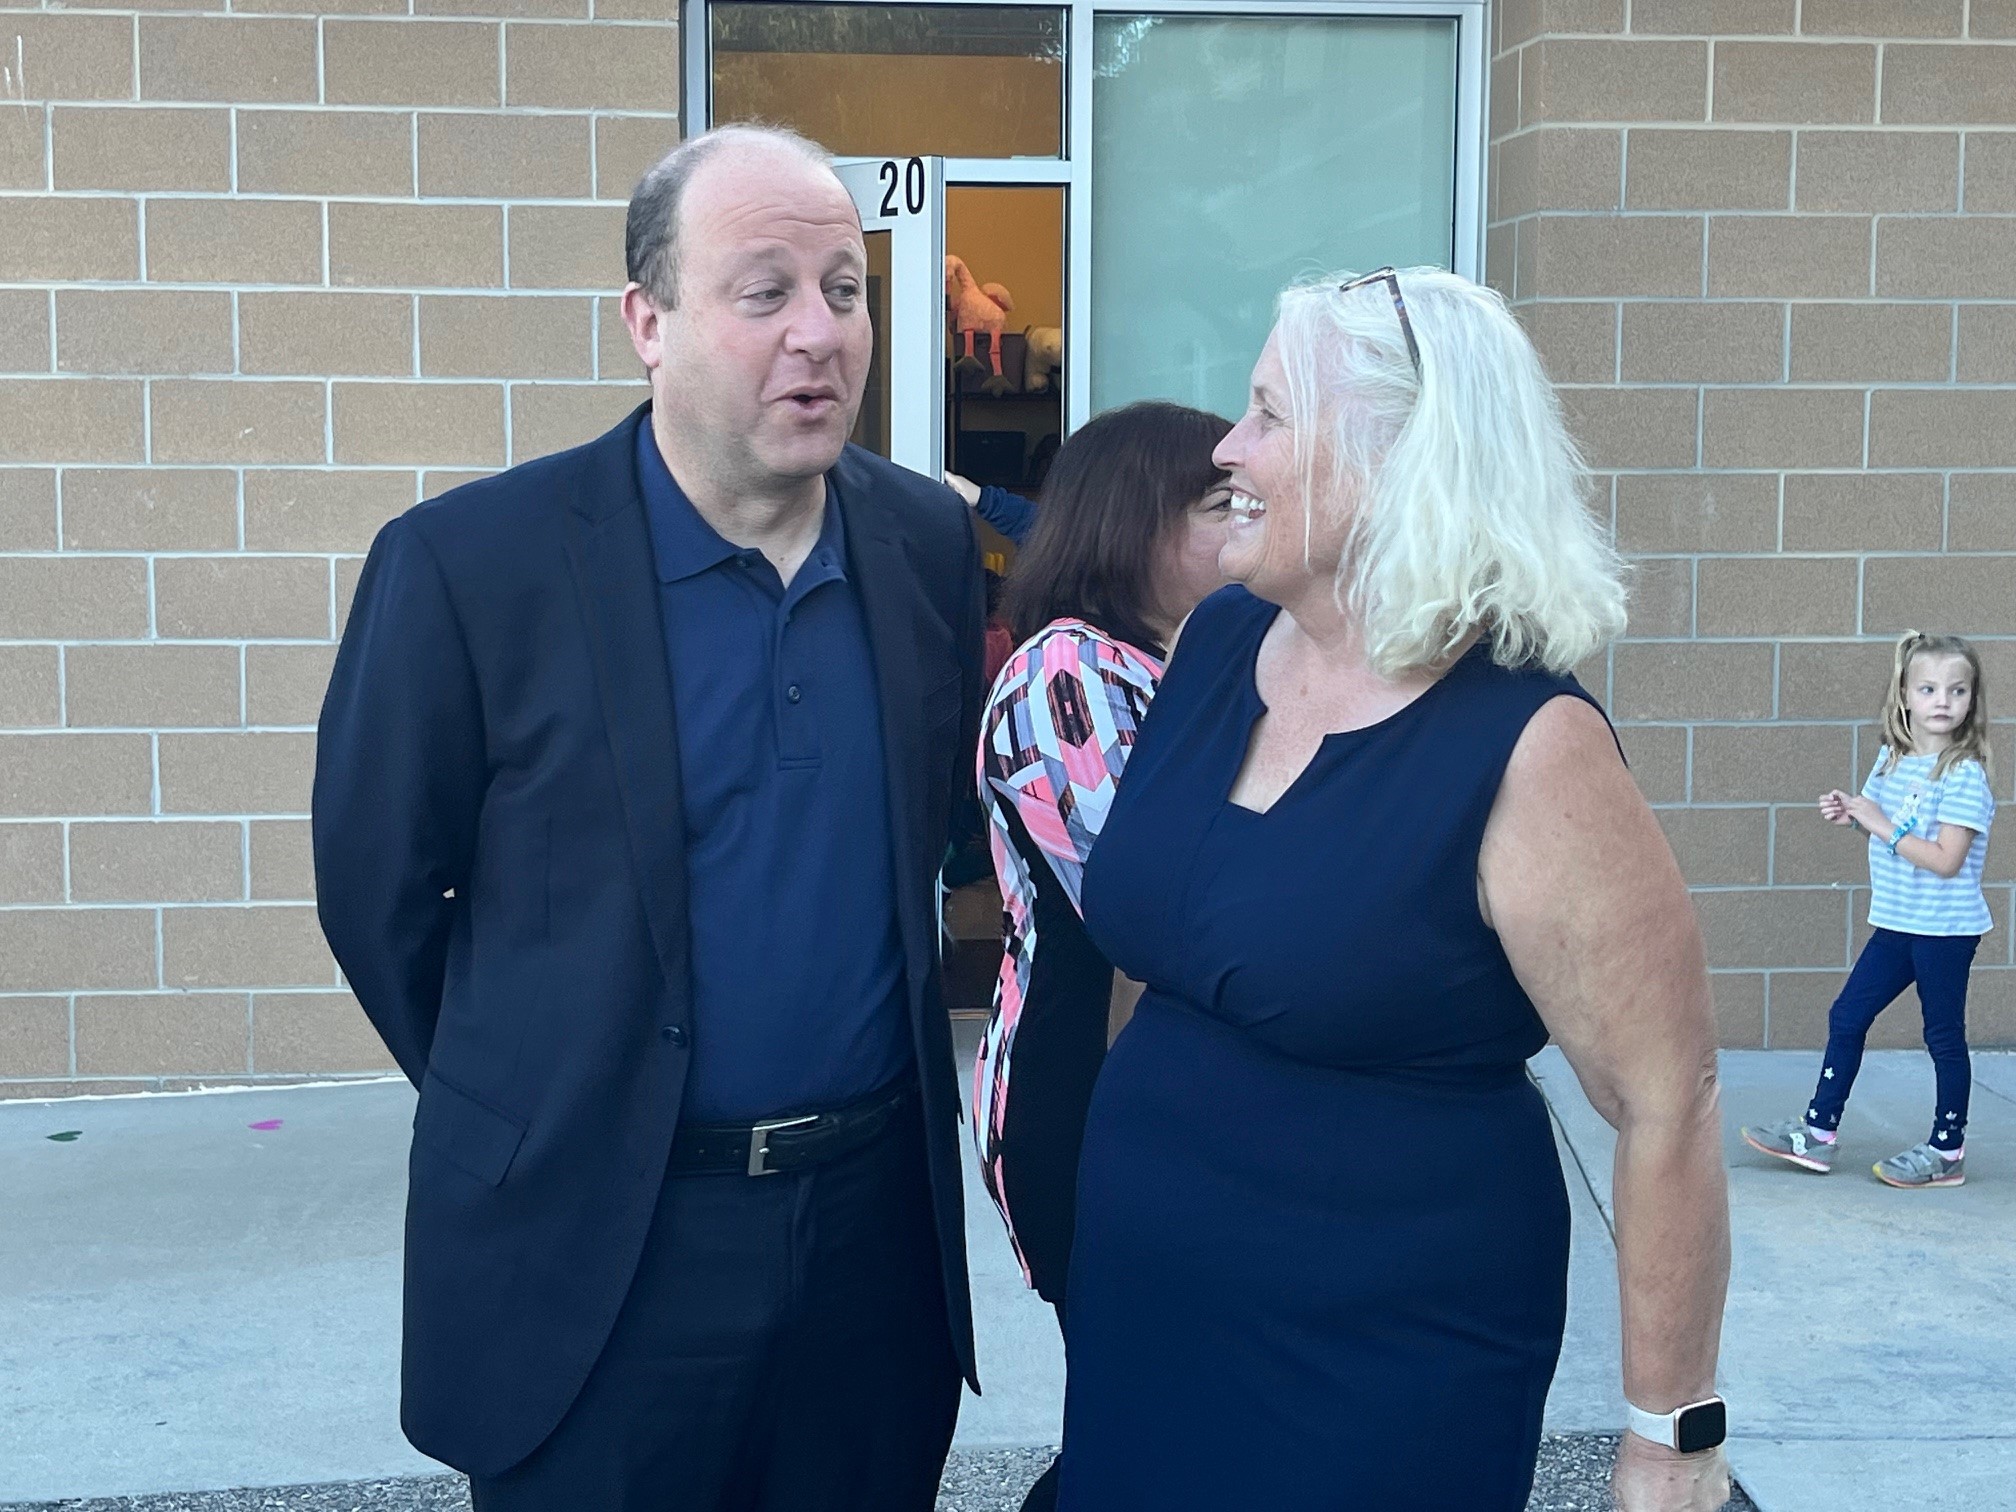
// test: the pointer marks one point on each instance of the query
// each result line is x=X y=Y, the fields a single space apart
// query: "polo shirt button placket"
x=673 y=1035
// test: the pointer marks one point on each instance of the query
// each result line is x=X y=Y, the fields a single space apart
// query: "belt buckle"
x=759 y=1141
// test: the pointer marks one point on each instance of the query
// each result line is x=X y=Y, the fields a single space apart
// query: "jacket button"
x=674 y=1034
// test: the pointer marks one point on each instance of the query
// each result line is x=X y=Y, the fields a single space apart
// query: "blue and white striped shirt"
x=1908 y=898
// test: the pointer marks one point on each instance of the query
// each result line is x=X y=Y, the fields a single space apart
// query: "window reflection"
x=1232 y=155
x=896 y=80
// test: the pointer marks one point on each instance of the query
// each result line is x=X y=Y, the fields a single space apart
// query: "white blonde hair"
x=1471 y=500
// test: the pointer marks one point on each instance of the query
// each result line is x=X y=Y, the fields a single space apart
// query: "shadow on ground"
x=1574 y=1469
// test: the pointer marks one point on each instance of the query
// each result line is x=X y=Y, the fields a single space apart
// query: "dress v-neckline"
x=1256 y=706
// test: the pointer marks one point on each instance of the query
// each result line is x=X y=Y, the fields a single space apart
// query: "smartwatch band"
x=1690 y=1429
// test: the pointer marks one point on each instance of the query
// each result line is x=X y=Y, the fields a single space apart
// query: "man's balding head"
x=651 y=233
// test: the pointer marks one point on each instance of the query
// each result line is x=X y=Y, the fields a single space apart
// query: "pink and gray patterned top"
x=1055 y=738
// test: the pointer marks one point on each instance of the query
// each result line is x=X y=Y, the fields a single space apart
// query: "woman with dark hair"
x=1125 y=544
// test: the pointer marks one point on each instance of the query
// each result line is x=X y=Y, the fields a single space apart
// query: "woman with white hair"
x=1376 y=846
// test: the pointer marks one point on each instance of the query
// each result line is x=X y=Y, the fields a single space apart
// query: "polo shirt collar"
x=685 y=545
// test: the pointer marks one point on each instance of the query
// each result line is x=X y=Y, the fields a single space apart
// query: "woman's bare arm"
x=1583 y=890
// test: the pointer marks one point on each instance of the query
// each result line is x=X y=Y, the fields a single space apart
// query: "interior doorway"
x=1004 y=391
x=1004 y=420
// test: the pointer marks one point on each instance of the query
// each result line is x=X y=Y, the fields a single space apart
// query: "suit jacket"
x=500 y=863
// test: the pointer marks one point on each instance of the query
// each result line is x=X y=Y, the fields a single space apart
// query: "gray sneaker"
x=1921 y=1166
x=1792 y=1140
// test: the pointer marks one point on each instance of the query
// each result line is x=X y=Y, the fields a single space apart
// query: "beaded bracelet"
x=1897 y=837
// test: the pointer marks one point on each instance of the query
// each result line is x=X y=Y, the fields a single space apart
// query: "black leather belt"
x=773 y=1145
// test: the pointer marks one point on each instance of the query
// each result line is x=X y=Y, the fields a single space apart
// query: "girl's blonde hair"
x=1970 y=740
x=1472 y=502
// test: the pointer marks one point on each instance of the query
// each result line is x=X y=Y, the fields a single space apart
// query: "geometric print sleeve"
x=1067 y=711
x=1055 y=737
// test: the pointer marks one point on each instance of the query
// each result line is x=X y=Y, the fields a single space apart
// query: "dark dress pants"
x=783 y=1348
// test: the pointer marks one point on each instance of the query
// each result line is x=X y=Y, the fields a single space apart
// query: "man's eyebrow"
x=778 y=260
x=758 y=257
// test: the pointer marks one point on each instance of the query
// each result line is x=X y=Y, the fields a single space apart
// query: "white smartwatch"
x=1690 y=1429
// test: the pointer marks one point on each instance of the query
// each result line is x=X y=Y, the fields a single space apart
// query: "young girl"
x=1927 y=809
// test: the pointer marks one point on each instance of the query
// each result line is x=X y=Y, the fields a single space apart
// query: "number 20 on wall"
x=906 y=179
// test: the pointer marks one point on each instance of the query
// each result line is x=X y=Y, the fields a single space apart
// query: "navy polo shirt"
x=799 y=996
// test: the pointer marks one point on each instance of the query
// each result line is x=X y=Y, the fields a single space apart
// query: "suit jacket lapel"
x=609 y=548
x=892 y=602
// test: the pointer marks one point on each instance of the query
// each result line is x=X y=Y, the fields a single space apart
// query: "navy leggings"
x=1889 y=963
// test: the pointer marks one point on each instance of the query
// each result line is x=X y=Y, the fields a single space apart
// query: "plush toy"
x=1042 y=355
x=977 y=307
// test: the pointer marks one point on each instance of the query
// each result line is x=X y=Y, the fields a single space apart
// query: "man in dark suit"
x=633 y=780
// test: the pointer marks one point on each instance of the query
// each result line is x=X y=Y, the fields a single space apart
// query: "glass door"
x=902 y=207
x=1202 y=152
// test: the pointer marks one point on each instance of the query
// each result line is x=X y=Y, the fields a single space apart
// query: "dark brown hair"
x=1115 y=491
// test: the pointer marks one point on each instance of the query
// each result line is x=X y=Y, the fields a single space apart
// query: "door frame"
x=1074 y=167
x=905 y=197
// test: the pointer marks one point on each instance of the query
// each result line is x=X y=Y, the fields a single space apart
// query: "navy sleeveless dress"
x=1322 y=1246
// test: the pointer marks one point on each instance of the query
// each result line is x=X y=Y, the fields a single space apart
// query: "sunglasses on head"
x=1391 y=279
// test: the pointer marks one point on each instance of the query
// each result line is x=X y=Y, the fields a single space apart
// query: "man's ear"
x=646 y=324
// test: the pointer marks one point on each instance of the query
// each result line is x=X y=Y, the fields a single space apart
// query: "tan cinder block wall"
x=1769 y=249
x=269 y=273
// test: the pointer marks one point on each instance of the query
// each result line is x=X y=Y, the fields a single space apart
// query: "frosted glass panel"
x=1230 y=156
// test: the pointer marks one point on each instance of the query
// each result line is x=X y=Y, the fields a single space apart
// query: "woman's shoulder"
x=1492 y=722
x=1521 y=688
x=1223 y=622
x=1235 y=603
x=1076 y=648
x=1084 y=638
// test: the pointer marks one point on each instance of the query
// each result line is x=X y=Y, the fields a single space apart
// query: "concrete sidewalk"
x=192 y=1303
x=1867 y=1352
